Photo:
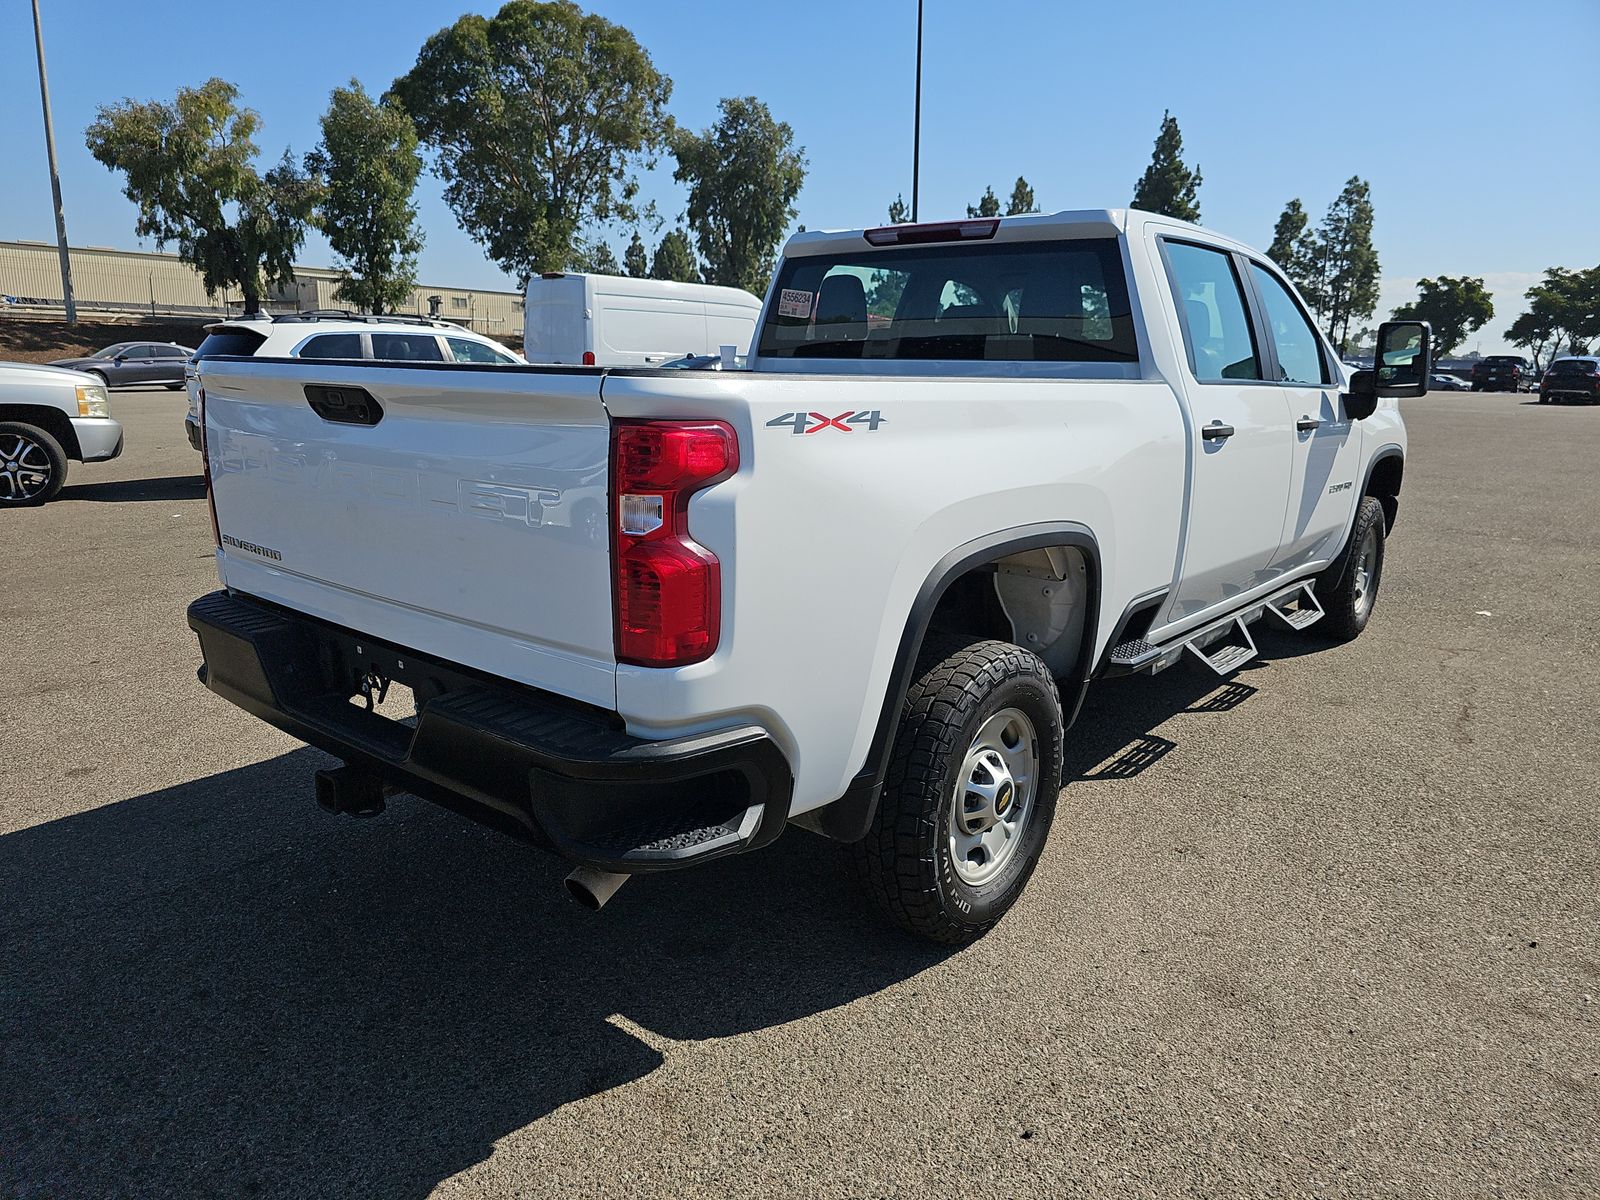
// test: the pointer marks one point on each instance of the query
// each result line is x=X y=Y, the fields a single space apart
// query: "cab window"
x=1295 y=339
x=1210 y=300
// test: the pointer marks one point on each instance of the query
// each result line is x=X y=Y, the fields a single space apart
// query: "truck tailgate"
x=459 y=511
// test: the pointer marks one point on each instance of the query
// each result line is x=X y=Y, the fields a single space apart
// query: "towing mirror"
x=1402 y=360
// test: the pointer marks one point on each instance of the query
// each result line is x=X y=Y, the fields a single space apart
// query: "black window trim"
x=1265 y=321
x=1266 y=355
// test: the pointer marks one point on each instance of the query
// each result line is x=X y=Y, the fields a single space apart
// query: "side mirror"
x=1403 y=358
x=1361 y=401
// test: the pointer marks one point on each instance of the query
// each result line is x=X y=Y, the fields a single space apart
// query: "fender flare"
x=848 y=818
x=1386 y=452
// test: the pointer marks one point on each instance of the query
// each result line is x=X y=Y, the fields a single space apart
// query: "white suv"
x=336 y=334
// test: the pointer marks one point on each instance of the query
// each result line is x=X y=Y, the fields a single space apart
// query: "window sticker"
x=792 y=302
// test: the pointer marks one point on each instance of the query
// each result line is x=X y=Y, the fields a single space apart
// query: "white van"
x=616 y=321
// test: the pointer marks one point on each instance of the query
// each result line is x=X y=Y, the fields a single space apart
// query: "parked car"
x=1573 y=378
x=860 y=587
x=129 y=364
x=615 y=321
x=337 y=334
x=1440 y=382
x=1503 y=373
x=47 y=416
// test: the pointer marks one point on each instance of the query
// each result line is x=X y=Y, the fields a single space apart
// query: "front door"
x=1327 y=444
x=1242 y=436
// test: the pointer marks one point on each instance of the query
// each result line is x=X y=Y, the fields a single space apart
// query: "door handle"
x=1216 y=431
x=1307 y=424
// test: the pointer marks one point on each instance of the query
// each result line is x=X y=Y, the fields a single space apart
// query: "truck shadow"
x=167 y=487
x=1114 y=738
x=217 y=989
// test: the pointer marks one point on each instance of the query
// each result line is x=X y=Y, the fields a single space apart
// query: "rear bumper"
x=99 y=438
x=552 y=772
x=191 y=427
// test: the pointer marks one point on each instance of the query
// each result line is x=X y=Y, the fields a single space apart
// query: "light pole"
x=55 y=176
x=916 y=121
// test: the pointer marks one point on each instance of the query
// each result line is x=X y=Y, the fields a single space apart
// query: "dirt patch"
x=28 y=340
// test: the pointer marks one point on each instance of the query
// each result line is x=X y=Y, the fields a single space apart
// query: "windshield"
x=113 y=351
x=1063 y=301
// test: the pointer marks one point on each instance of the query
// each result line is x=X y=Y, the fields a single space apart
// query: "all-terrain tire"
x=906 y=861
x=1348 y=589
x=27 y=453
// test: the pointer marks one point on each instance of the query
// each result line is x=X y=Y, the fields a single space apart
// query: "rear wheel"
x=971 y=791
x=33 y=466
x=1349 y=589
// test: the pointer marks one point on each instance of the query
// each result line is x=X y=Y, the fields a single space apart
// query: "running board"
x=1229 y=658
x=1295 y=606
x=1307 y=610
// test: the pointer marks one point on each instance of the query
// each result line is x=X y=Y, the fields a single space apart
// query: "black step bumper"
x=539 y=767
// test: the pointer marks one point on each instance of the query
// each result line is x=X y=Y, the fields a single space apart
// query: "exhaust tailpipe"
x=592 y=888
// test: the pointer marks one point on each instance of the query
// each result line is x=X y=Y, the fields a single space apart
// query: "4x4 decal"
x=845 y=422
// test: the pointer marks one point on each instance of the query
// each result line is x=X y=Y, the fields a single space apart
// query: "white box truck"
x=615 y=321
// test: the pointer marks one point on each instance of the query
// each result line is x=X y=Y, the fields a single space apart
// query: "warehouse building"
x=150 y=284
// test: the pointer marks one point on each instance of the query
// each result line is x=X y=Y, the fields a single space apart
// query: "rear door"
x=641 y=331
x=142 y=365
x=446 y=510
x=1242 y=434
x=1327 y=444
x=730 y=325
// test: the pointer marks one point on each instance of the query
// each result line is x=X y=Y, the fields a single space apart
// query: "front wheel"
x=1350 y=588
x=33 y=467
x=971 y=790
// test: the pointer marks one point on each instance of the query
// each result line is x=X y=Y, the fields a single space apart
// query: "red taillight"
x=667 y=586
x=588 y=358
x=205 y=471
x=944 y=231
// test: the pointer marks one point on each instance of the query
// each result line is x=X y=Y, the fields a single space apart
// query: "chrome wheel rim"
x=25 y=468
x=994 y=794
x=1365 y=568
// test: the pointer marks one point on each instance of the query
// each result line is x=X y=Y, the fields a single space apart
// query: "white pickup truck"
x=860 y=587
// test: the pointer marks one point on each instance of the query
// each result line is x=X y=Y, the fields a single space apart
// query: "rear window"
x=1572 y=366
x=1018 y=302
x=237 y=343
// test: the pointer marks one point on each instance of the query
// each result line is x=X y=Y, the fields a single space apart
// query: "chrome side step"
x=1295 y=606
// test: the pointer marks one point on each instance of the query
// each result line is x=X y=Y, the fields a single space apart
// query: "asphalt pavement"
x=1328 y=928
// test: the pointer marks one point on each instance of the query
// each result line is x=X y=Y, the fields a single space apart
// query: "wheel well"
x=1038 y=599
x=1384 y=485
x=52 y=420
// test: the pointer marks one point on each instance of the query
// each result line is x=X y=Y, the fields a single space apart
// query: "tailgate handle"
x=344 y=404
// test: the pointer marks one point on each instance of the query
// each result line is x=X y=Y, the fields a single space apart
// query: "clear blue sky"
x=1275 y=100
